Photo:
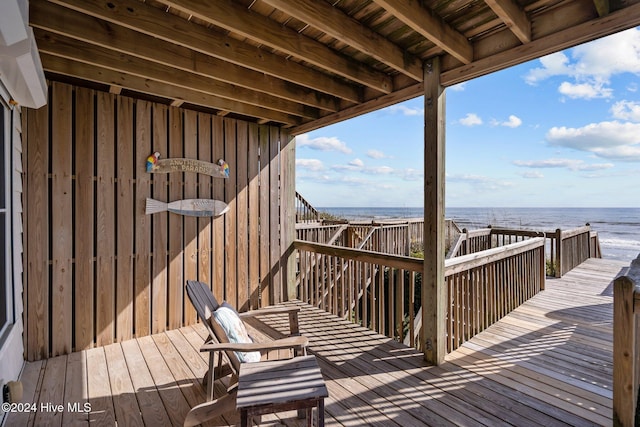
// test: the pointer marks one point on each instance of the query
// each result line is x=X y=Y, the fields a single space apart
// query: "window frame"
x=7 y=285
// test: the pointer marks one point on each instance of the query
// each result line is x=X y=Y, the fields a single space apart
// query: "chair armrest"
x=269 y=310
x=284 y=343
x=294 y=326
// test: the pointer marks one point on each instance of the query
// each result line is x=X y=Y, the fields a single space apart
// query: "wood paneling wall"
x=97 y=269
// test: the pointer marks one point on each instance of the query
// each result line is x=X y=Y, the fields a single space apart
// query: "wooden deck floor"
x=548 y=363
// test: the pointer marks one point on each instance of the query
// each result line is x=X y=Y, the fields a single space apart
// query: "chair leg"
x=209 y=410
x=210 y=375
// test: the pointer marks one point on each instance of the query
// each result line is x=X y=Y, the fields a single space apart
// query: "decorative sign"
x=157 y=165
x=189 y=207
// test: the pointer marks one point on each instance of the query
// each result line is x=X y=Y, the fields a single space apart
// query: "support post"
x=558 y=253
x=288 y=214
x=434 y=292
x=625 y=348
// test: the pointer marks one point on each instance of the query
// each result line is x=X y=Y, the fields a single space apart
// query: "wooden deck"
x=548 y=363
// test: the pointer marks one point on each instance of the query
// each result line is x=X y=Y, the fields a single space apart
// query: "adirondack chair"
x=227 y=353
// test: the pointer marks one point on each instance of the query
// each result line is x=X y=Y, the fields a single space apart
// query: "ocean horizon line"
x=481 y=207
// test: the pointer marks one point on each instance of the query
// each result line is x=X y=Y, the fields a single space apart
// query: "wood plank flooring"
x=549 y=363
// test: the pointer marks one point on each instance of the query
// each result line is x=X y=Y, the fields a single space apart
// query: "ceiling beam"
x=514 y=17
x=602 y=7
x=429 y=25
x=68 y=67
x=95 y=55
x=557 y=39
x=263 y=30
x=560 y=36
x=154 y=22
x=67 y=22
x=337 y=24
x=401 y=95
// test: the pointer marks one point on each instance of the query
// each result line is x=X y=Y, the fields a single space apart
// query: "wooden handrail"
x=380 y=291
x=568 y=248
x=395 y=261
x=626 y=346
x=474 y=260
x=305 y=211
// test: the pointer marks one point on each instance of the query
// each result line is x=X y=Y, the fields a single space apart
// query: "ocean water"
x=618 y=228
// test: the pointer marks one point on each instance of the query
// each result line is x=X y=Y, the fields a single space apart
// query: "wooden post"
x=625 y=382
x=288 y=214
x=589 y=241
x=558 y=259
x=465 y=243
x=434 y=292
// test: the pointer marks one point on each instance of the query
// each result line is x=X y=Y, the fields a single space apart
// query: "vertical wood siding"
x=97 y=269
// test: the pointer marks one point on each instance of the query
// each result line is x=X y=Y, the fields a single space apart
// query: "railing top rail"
x=516 y=232
x=580 y=230
x=395 y=261
x=452 y=265
x=399 y=221
x=465 y=262
x=479 y=232
x=316 y=225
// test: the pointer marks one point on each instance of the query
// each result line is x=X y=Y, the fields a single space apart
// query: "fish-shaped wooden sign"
x=189 y=207
x=157 y=165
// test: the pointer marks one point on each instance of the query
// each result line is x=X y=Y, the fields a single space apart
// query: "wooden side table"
x=281 y=385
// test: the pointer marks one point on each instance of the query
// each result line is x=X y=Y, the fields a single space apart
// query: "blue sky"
x=561 y=131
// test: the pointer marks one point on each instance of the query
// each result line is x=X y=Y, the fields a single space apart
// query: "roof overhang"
x=304 y=64
x=20 y=67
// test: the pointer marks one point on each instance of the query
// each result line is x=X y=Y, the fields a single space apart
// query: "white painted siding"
x=12 y=348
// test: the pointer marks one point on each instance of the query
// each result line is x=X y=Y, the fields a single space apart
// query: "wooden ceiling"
x=303 y=64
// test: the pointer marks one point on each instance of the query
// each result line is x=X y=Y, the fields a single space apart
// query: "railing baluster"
x=482 y=287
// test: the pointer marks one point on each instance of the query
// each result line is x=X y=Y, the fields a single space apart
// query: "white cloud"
x=532 y=175
x=378 y=170
x=471 y=119
x=377 y=154
x=591 y=65
x=357 y=181
x=410 y=174
x=626 y=110
x=570 y=164
x=555 y=64
x=459 y=87
x=310 y=164
x=405 y=110
x=357 y=166
x=357 y=163
x=585 y=90
x=322 y=143
x=513 y=122
x=618 y=53
x=610 y=140
x=479 y=182
x=347 y=168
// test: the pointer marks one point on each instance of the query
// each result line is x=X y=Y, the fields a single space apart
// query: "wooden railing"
x=328 y=234
x=570 y=248
x=485 y=286
x=594 y=247
x=391 y=237
x=383 y=292
x=626 y=346
x=566 y=249
x=305 y=212
x=365 y=287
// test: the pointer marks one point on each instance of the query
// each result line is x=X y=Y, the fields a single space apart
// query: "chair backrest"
x=203 y=300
